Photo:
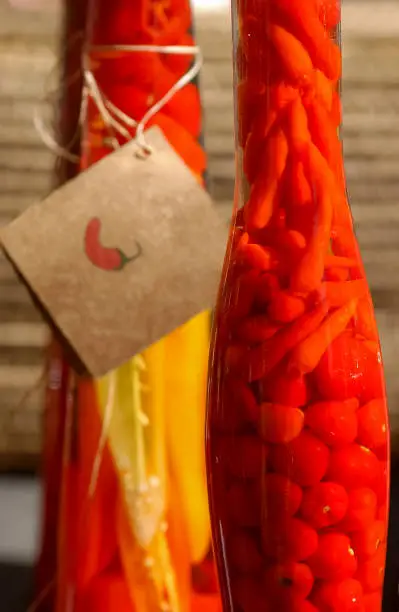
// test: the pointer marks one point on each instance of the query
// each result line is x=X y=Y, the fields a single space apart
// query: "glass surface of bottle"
x=297 y=424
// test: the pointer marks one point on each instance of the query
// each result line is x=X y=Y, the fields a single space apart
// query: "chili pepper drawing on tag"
x=110 y=259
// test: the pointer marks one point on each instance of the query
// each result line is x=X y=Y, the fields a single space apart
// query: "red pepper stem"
x=125 y=259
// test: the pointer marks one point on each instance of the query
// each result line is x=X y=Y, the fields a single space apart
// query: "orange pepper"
x=300 y=186
x=329 y=13
x=304 y=20
x=263 y=119
x=309 y=272
x=293 y=55
x=298 y=131
x=307 y=354
x=261 y=360
x=260 y=205
x=176 y=108
x=182 y=141
x=285 y=307
x=325 y=137
x=256 y=328
x=339 y=293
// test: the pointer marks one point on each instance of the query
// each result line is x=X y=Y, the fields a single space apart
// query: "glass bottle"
x=135 y=527
x=297 y=424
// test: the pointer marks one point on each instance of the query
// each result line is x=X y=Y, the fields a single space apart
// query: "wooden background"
x=371 y=133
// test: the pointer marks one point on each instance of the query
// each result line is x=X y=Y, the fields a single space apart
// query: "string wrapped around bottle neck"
x=115 y=120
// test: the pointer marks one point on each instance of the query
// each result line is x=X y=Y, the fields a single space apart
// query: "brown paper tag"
x=111 y=303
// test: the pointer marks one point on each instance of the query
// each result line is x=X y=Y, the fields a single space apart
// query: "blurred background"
x=28 y=50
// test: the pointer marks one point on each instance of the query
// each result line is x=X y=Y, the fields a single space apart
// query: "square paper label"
x=121 y=255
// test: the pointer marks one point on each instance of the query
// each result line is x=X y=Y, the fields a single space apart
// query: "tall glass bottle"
x=297 y=425
x=135 y=528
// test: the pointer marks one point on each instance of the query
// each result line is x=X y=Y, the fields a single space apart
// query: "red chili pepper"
x=288 y=540
x=324 y=504
x=284 y=387
x=335 y=423
x=105 y=258
x=280 y=424
x=329 y=12
x=373 y=431
x=349 y=369
x=304 y=460
x=362 y=509
x=371 y=572
x=366 y=543
x=282 y=497
x=353 y=466
x=340 y=596
x=334 y=559
x=287 y=583
x=373 y=602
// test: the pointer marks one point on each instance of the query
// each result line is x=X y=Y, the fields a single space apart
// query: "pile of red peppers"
x=298 y=433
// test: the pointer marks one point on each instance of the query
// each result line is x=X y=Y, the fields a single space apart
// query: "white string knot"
x=114 y=119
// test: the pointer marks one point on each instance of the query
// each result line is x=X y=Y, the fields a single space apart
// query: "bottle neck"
x=286 y=46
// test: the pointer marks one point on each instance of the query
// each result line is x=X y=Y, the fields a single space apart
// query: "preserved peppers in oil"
x=297 y=425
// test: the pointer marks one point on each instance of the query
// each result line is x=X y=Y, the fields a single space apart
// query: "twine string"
x=115 y=120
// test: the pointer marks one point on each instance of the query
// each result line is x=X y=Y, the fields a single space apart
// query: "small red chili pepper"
x=339 y=596
x=371 y=572
x=349 y=369
x=334 y=558
x=288 y=540
x=372 y=602
x=288 y=583
x=304 y=460
x=366 y=543
x=282 y=497
x=279 y=423
x=285 y=387
x=329 y=12
x=324 y=504
x=353 y=466
x=362 y=508
x=105 y=258
x=335 y=423
x=372 y=424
